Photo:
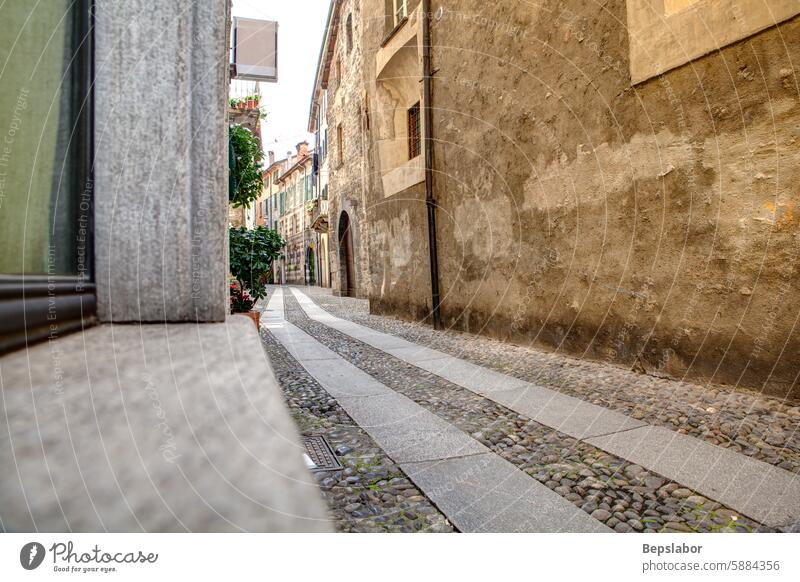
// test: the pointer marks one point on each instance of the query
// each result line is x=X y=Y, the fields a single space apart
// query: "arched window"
x=349 y=33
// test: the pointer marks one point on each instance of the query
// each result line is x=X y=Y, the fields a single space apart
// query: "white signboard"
x=255 y=49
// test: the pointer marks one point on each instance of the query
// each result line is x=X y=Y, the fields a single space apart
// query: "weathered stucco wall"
x=652 y=225
x=397 y=221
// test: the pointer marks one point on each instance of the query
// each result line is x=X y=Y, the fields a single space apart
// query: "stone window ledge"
x=665 y=34
x=159 y=427
x=404 y=35
x=403 y=177
x=391 y=34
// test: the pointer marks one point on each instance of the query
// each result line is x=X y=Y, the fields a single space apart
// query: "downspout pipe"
x=430 y=203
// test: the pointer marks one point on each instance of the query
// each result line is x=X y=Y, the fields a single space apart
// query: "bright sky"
x=301 y=24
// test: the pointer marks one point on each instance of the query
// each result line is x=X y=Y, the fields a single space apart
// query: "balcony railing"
x=318 y=214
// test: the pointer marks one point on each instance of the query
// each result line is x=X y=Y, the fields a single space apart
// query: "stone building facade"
x=300 y=265
x=266 y=207
x=608 y=182
x=340 y=79
x=319 y=213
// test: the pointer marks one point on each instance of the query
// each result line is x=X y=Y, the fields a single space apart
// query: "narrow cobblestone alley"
x=373 y=494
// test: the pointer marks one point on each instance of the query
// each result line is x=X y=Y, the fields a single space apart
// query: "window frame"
x=340 y=143
x=37 y=307
x=349 y=32
x=399 y=6
x=414 y=130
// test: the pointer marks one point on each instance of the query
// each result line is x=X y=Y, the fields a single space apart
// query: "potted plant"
x=243 y=303
x=251 y=254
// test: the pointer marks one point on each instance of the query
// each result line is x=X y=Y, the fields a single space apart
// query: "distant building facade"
x=340 y=119
x=296 y=200
x=267 y=211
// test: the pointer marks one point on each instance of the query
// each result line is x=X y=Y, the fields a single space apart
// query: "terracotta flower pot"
x=255 y=316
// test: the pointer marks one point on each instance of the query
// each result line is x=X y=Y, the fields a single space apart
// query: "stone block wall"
x=348 y=174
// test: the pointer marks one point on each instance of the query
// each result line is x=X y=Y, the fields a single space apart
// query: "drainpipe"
x=430 y=203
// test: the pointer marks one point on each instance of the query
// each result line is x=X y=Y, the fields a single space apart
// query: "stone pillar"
x=161 y=160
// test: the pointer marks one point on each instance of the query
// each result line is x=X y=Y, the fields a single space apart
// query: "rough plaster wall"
x=398 y=251
x=653 y=225
x=161 y=161
x=346 y=185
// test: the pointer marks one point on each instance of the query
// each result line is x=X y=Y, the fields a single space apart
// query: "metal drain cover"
x=319 y=455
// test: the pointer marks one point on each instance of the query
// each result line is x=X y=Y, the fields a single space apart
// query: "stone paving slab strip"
x=759 y=490
x=484 y=493
x=571 y=416
x=339 y=382
x=491 y=495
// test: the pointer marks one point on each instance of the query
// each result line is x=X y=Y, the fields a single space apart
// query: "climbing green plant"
x=245 y=166
x=251 y=254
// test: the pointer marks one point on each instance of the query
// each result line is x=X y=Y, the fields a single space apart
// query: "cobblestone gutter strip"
x=761 y=427
x=624 y=496
x=371 y=494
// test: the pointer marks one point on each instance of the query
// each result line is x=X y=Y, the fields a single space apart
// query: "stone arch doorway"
x=311 y=277
x=346 y=261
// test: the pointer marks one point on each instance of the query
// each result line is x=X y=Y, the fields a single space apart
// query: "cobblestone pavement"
x=761 y=427
x=371 y=494
x=624 y=496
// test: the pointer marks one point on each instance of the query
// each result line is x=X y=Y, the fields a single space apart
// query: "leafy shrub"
x=247 y=180
x=251 y=255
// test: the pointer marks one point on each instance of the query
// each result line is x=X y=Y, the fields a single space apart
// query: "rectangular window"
x=340 y=143
x=414 y=132
x=46 y=111
x=400 y=11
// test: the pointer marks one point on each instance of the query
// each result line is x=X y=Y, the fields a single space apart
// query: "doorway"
x=312 y=279
x=346 y=262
